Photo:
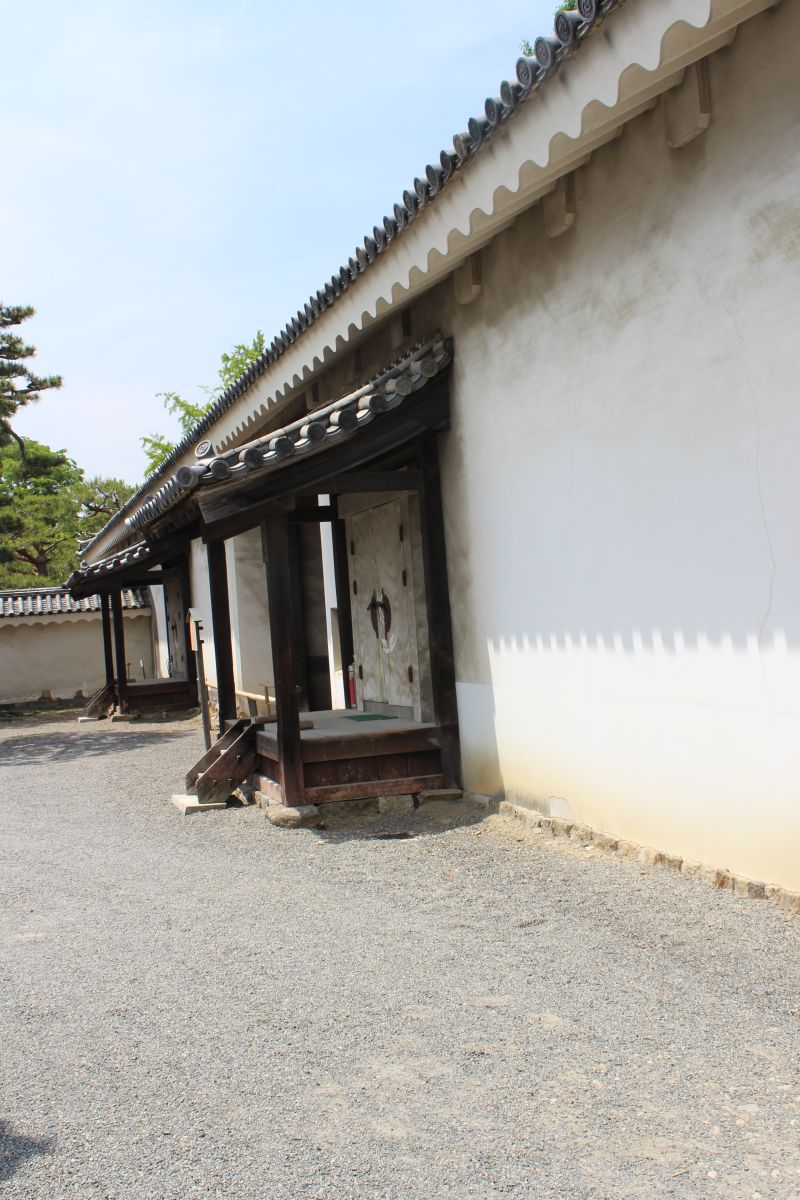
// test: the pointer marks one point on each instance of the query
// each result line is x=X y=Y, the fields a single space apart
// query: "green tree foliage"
x=156 y=446
x=46 y=507
x=19 y=385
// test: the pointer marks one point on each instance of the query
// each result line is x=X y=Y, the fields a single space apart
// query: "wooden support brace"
x=559 y=207
x=468 y=279
x=687 y=108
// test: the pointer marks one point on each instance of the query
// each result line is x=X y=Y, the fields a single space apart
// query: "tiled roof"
x=570 y=29
x=318 y=429
x=140 y=553
x=51 y=602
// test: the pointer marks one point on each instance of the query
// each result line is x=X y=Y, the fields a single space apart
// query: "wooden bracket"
x=687 y=108
x=559 y=207
x=468 y=280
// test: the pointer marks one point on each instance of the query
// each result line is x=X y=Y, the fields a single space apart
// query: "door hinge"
x=355 y=587
x=402 y=534
x=405 y=577
x=410 y=674
x=352 y=546
x=360 y=671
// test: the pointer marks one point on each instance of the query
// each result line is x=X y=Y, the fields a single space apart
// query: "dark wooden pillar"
x=298 y=617
x=275 y=539
x=437 y=598
x=186 y=596
x=221 y=620
x=344 y=614
x=108 y=653
x=119 y=651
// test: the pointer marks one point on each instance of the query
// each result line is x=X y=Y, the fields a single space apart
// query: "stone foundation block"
x=604 y=841
x=396 y=804
x=187 y=804
x=440 y=794
x=286 y=817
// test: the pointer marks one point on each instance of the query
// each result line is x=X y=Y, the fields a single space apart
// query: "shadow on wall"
x=38 y=748
x=15 y=1148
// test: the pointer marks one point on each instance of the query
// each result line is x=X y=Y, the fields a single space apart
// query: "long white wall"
x=63 y=656
x=622 y=491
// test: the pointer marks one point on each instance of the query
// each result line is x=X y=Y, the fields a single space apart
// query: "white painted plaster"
x=621 y=487
x=63 y=655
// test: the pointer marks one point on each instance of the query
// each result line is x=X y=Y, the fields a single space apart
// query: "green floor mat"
x=371 y=717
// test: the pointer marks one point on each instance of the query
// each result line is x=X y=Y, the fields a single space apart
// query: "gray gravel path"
x=210 y=1007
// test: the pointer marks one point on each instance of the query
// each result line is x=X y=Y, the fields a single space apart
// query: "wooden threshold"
x=369 y=788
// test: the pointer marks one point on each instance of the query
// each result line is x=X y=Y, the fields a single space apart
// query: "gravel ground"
x=211 y=1007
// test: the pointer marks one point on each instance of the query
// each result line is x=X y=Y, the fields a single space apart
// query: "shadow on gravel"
x=15 y=1148
x=428 y=820
x=36 y=748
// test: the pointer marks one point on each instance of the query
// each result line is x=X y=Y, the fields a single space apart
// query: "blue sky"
x=188 y=171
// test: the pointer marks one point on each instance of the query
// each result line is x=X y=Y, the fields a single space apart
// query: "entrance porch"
x=349 y=755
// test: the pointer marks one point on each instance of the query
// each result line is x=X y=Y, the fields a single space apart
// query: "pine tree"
x=46 y=512
x=19 y=385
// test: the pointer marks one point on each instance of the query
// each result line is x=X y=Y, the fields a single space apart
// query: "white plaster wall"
x=64 y=655
x=160 y=640
x=621 y=485
x=201 y=605
x=247 y=593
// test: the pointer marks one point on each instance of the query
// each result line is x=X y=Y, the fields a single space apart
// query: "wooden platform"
x=153 y=695
x=347 y=759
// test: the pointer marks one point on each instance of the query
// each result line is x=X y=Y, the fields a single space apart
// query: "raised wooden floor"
x=347 y=759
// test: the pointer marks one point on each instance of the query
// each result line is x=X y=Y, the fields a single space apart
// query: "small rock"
x=604 y=841
x=286 y=817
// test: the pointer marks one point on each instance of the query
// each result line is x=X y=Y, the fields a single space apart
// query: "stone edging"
x=718 y=877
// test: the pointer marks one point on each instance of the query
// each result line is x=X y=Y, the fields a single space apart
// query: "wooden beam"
x=373 y=481
x=108 y=653
x=321 y=512
x=275 y=540
x=344 y=615
x=437 y=599
x=221 y=621
x=119 y=649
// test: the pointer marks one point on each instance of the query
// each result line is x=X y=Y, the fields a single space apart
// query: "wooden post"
x=437 y=599
x=221 y=620
x=275 y=539
x=202 y=690
x=186 y=594
x=344 y=614
x=298 y=617
x=119 y=650
x=108 y=653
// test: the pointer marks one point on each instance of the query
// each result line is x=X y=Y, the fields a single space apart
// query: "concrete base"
x=186 y=804
x=83 y=720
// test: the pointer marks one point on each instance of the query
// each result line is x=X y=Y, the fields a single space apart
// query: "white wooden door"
x=383 y=607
